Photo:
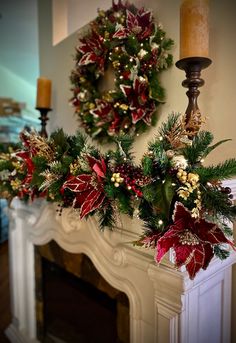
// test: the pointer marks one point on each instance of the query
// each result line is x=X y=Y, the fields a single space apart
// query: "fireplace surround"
x=165 y=305
x=74 y=302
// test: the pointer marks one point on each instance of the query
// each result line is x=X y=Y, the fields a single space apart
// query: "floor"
x=5 y=314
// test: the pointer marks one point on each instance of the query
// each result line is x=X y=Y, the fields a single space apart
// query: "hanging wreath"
x=126 y=40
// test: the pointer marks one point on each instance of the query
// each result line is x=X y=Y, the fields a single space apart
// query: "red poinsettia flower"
x=138 y=97
x=25 y=155
x=89 y=188
x=115 y=124
x=118 y=5
x=140 y=24
x=25 y=183
x=104 y=111
x=191 y=239
x=93 y=50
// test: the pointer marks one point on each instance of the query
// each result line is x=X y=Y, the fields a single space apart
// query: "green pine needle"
x=218 y=203
x=147 y=164
x=221 y=253
x=6 y=165
x=221 y=171
x=77 y=144
x=60 y=140
x=199 y=148
x=124 y=149
x=106 y=217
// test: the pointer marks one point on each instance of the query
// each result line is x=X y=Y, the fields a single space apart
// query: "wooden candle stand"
x=44 y=118
x=193 y=67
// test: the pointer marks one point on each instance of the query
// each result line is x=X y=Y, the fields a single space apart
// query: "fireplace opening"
x=74 y=302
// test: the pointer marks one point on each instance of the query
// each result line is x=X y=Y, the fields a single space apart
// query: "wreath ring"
x=127 y=39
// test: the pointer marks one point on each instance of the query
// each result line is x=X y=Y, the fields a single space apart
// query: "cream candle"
x=194 y=28
x=43 y=93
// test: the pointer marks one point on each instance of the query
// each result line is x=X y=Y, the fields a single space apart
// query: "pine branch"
x=149 y=192
x=40 y=163
x=221 y=253
x=151 y=219
x=172 y=121
x=156 y=91
x=167 y=44
x=6 y=165
x=106 y=217
x=228 y=231
x=124 y=203
x=211 y=148
x=59 y=140
x=54 y=189
x=66 y=161
x=199 y=147
x=111 y=191
x=221 y=171
x=147 y=164
x=124 y=147
x=217 y=203
x=77 y=144
x=157 y=147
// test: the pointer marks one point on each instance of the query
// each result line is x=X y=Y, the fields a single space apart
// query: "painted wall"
x=19 y=59
x=217 y=99
x=19 y=89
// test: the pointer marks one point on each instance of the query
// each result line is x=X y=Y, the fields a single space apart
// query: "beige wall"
x=217 y=99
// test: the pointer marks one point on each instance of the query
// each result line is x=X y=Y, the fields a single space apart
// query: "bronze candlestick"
x=44 y=118
x=193 y=67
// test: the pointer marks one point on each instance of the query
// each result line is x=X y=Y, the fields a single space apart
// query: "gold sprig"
x=194 y=123
x=41 y=146
x=177 y=135
x=183 y=130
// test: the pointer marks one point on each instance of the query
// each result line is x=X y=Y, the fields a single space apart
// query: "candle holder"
x=193 y=67
x=44 y=118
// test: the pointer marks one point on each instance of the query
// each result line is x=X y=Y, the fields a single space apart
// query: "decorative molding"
x=165 y=305
x=17 y=336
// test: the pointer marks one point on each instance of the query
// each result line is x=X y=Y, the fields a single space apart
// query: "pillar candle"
x=194 y=28
x=43 y=93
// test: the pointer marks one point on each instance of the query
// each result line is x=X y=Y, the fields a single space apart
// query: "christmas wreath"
x=182 y=203
x=127 y=40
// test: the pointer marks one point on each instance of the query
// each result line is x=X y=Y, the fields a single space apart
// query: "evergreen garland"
x=182 y=203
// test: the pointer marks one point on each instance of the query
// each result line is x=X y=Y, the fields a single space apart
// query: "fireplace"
x=164 y=305
x=74 y=302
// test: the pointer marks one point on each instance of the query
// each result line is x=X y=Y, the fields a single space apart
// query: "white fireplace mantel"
x=165 y=305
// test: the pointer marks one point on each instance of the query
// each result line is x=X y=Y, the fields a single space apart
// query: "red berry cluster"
x=227 y=190
x=133 y=177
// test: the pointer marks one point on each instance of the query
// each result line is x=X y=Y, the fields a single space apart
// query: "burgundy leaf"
x=92 y=202
x=89 y=57
x=137 y=115
x=121 y=33
x=126 y=89
x=195 y=262
x=78 y=183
